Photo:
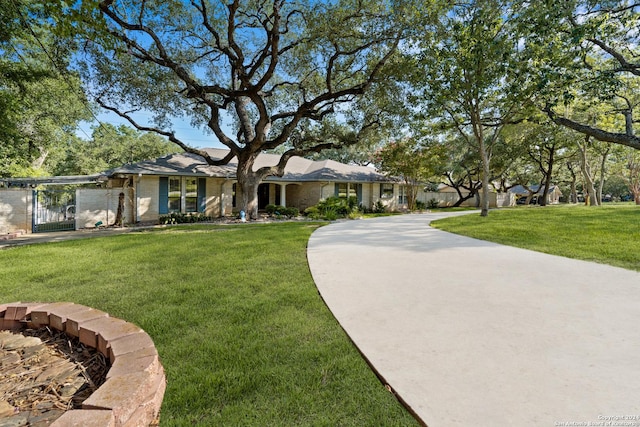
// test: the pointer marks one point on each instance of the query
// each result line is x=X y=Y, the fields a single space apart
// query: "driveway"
x=471 y=333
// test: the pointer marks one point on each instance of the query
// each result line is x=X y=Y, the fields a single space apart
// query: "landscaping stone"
x=58 y=318
x=74 y=321
x=134 y=387
x=83 y=418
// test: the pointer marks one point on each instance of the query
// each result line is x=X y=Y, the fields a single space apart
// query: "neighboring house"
x=521 y=193
x=447 y=196
x=186 y=183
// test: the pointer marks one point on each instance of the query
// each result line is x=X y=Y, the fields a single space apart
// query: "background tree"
x=625 y=174
x=592 y=47
x=40 y=107
x=413 y=163
x=111 y=147
x=469 y=67
x=462 y=172
x=276 y=68
x=538 y=147
x=633 y=175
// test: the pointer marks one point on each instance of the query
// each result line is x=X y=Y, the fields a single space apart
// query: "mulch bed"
x=44 y=373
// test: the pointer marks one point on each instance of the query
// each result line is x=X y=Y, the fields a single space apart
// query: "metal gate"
x=54 y=210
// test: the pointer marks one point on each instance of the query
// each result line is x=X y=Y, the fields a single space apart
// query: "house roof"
x=297 y=169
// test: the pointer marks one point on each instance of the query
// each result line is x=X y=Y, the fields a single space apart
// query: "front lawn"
x=606 y=234
x=243 y=335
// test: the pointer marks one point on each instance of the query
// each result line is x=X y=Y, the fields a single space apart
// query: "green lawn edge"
x=241 y=330
x=607 y=234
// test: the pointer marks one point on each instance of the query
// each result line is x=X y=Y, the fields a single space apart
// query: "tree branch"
x=599 y=134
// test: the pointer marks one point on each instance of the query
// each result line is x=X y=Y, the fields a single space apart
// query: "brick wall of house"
x=16 y=206
x=368 y=194
x=308 y=194
x=147 y=194
x=219 y=197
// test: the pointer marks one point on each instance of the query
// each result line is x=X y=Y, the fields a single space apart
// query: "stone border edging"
x=133 y=391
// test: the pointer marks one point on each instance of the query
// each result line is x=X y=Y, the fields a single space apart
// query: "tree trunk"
x=249 y=182
x=486 y=171
x=591 y=196
x=120 y=212
x=547 y=178
x=412 y=194
x=573 y=198
x=603 y=171
x=462 y=199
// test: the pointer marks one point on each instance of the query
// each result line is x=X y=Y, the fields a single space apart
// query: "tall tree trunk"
x=485 y=159
x=249 y=182
x=486 y=171
x=548 y=173
x=412 y=193
x=603 y=171
x=120 y=212
x=573 y=198
x=591 y=196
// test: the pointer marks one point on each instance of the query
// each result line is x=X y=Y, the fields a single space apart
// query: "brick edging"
x=133 y=391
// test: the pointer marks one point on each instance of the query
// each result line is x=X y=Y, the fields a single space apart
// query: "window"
x=191 y=195
x=175 y=194
x=182 y=194
x=386 y=191
x=346 y=190
x=402 y=196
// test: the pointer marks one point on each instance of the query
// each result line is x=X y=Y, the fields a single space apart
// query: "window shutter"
x=202 y=194
x=336 y=191
x=163 y=197
x=359 y=193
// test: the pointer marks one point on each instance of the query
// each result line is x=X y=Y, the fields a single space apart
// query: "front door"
x=263 y=196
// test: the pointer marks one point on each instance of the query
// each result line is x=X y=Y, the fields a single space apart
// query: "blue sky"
x=184 y=131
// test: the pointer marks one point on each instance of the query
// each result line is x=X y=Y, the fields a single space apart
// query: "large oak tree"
x=274 y=67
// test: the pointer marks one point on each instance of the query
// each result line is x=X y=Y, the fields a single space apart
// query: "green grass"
x=243 y=335
x=607 y=234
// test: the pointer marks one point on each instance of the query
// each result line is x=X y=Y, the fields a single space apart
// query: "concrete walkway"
x=60 y=236
x=470 y=333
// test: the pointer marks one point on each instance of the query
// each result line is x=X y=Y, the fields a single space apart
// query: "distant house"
x=521 y=193
x=185 y=183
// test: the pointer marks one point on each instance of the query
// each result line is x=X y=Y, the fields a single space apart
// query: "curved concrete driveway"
x=470 y=333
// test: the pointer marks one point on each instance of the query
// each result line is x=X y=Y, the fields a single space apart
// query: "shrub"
x=330 y=215
x=379 y=207
x=433 y=203
x=312 y=212
x=420 y=205
x=271 y=209
x=181 y=218
x=291 y=212
x=333 y=208
x=278 y=210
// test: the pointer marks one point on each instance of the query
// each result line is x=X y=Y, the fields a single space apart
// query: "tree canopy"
x=110 y=147
x=589 y=49
x=39 y=106
x=275 y=68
